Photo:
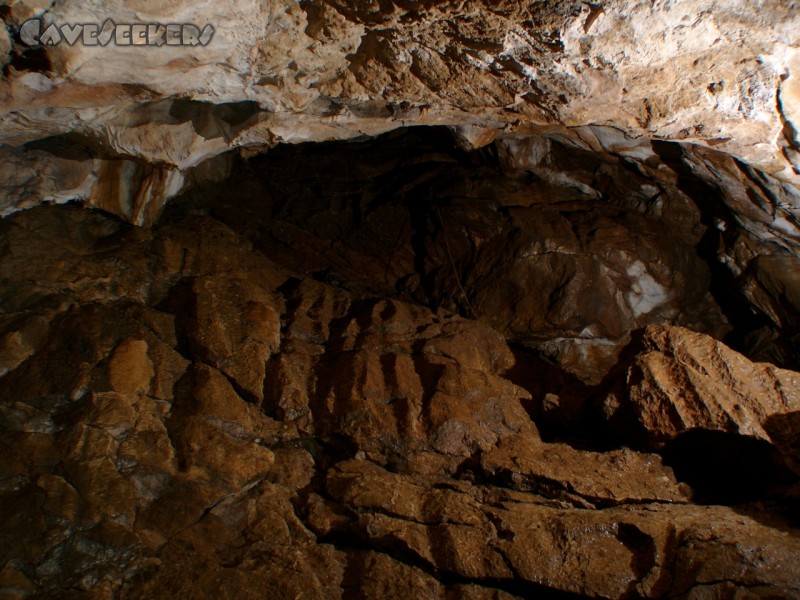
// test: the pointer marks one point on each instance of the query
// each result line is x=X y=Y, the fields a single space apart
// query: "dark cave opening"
x=412 y=214
x=726 y=468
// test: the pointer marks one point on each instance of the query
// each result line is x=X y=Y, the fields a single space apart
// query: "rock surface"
x=181 y=415
x=123 y=126
x=547 y=348
x=683 y=385
x=562 y=249
x=682 y=381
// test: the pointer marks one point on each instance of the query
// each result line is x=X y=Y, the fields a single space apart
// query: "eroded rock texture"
x=399 y=369
x=123 y=126
x=559 y=246
x=545 y=346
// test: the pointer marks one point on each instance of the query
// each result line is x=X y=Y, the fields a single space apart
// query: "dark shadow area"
x=560 y=402
x=72 y=146
x=726 y=468
x=713 y=210
x=784 y=429
x=748 y=324
x=212 y=120
x=23 y=57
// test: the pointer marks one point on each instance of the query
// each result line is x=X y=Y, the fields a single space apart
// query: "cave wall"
x=560 y=246
x=184 y=412
x=405 y=299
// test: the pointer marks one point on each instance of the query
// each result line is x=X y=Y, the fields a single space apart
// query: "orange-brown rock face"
x=269 y=395
x=682 y=380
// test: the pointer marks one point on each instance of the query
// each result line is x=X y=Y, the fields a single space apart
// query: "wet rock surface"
x=252 y=400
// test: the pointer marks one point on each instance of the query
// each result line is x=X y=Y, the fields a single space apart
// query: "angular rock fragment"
x=679 y=381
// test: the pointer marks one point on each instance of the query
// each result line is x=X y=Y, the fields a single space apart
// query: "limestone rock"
x=681 y=381
x=719 y=74
x=234 y=327
x=391 y=378
x=581 y=477
x=269 y=399
x=503 y=536
x=130 y=370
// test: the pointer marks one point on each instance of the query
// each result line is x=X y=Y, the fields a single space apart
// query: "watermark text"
x=35 y=32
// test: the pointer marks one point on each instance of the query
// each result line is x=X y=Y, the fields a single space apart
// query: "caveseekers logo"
x=35 y=33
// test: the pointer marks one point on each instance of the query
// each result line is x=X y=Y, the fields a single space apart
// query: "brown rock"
x=610 y=553
x=183 y=417
x=581 y=477
x=396 y=387
x=222 y=435
x=235 y=328
x=680 y=380
x=130 y=370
